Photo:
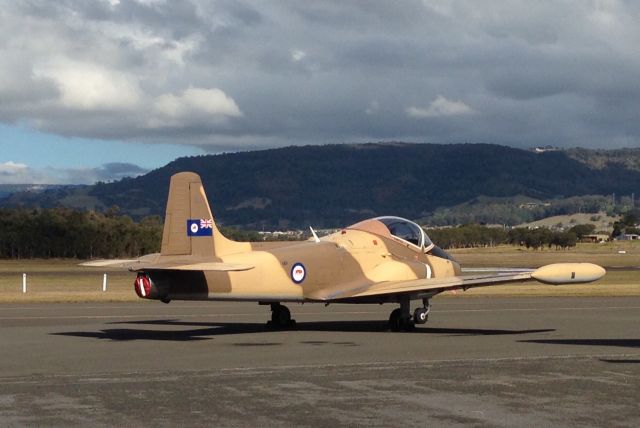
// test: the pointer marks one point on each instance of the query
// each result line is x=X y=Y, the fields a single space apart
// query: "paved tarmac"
x=478 y=362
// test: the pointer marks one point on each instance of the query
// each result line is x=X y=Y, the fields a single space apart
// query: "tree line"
x=473 y=235
x=67 y=233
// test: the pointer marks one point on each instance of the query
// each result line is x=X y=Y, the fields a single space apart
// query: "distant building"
x=595 y=238
x=628 y=237
x=542 y=149
x=532 y=205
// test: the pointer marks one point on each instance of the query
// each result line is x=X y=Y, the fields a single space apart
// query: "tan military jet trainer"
x=381 y=260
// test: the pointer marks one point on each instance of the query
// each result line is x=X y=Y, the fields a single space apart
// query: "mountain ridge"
x=334 y=185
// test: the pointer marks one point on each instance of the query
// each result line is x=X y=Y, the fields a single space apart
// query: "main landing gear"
x=280 y=317
x=401 y=319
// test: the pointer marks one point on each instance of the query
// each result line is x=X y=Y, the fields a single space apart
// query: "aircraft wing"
x=560 y=273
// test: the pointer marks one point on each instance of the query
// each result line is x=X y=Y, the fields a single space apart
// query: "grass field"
x=621 y=279
x=507 y=256
x=65 y=281
x=62 y=281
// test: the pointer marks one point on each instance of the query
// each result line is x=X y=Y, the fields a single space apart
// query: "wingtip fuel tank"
x=568 y=273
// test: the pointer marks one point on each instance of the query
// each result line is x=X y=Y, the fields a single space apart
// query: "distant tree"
x=564 y=240
x=580 y=230
x=627 y=223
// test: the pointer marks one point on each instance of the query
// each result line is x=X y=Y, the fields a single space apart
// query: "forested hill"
x=334 y=185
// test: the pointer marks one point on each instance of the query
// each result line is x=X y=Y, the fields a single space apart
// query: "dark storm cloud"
x=237 y=75
x=117 y=170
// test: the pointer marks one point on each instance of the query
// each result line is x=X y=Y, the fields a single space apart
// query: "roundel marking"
x=298 y=273
x=194 y=228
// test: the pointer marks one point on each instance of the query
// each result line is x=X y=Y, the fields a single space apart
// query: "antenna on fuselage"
x=315 y=235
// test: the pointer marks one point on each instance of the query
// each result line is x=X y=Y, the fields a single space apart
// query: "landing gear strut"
x=401 y=319
x=280 y=317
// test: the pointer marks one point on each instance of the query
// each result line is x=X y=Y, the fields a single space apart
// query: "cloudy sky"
x=100 y=89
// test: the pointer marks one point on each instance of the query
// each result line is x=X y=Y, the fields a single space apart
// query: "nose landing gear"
x=421 y=315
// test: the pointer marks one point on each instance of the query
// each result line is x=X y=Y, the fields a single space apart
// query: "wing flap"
x=422 y=285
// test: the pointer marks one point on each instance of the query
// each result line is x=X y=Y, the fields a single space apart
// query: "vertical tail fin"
x=189 y=228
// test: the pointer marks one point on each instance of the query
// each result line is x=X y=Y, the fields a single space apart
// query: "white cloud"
x=373 y=108
x=438 y=108
x=19 y=173
x=194 y=104
x=86 y=86
x=297 y=55
x=12 y=168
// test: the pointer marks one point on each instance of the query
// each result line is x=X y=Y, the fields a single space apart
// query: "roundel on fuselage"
x=298 y=273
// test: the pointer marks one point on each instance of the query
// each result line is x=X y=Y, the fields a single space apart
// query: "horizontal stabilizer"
x=124 y=263
x=203 y=267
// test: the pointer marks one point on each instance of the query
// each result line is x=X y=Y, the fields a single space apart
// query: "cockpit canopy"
x=399 y=227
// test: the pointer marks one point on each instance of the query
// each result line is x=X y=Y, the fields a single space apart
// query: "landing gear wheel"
x=395 y=320
x=407 y=324
x=280 y=317
x=421 y=315
x=400 y=318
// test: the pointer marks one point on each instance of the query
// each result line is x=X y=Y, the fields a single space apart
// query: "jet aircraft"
x=380 y=260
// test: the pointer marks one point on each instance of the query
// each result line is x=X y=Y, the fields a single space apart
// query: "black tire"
x=281 y=316
x=420 y=316
x=407 y=324
x=395 y=320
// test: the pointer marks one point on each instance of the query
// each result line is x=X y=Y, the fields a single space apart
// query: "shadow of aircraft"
x=212 y=329
x=620 y=361
x=624 y=343
x=343 y=326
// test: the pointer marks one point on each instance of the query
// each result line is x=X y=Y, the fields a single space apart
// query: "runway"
x=477 y=362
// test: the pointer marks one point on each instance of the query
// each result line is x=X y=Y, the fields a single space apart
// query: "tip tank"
x=568 y=273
